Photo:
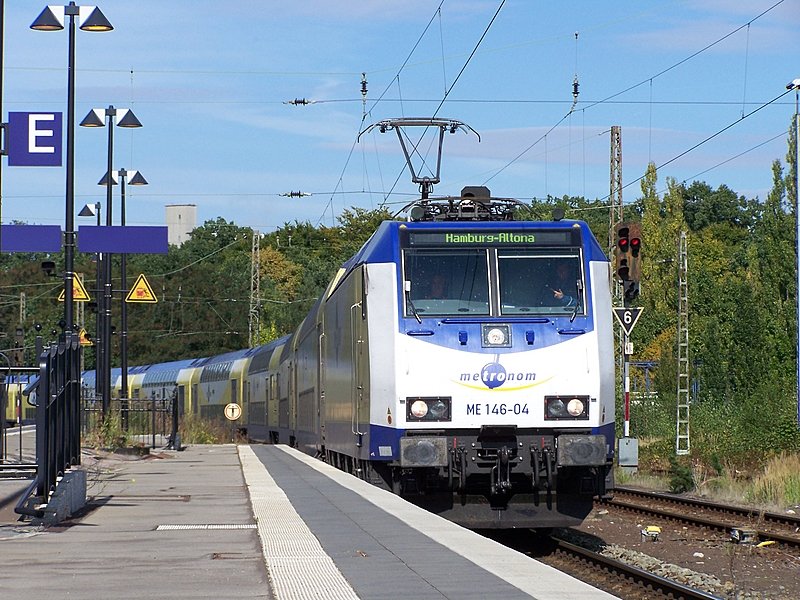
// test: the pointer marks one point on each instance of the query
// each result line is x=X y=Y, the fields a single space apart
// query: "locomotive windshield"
x=539 y=283
x=446 y=282
x=493 y=281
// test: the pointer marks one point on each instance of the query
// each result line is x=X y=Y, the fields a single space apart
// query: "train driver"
x=438 y=289
x=563 y=285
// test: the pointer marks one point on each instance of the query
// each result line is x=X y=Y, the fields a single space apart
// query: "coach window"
x=446 y=282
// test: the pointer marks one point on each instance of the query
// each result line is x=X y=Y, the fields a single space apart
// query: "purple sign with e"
x=34 y=139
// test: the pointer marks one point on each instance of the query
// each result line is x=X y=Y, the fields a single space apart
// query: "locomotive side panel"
x=386 y=411
x=602 y=352
x=346 y=415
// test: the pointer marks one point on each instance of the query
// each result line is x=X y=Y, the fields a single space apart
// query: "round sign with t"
x=233 y=411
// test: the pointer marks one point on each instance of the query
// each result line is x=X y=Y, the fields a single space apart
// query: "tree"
x=704 y=207
x=203 y=288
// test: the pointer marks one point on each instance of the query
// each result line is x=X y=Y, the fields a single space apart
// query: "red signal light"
x=636 y=245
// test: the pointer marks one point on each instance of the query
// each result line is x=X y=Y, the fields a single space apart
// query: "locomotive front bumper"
x=423 y=452
x=581 y=450
x=571 y=450
x=501 y=476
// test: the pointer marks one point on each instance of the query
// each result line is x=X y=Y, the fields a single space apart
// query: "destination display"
x=542 y=237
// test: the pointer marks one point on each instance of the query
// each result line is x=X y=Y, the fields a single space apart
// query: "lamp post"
x=795 y=85
x=52 y=19
x=97 y=117
x=136 y=178
x=93 y=210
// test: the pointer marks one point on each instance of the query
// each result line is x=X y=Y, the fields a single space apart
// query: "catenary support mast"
x=682 y=433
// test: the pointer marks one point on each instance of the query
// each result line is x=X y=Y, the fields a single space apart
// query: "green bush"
x=108 y=434
x=682 y=479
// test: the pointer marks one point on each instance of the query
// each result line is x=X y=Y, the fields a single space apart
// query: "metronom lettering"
x=529 y=376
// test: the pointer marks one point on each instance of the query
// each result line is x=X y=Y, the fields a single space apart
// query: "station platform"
x=257 y=521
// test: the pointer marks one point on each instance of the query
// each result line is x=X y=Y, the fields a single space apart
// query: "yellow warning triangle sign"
x=84 y=338
x=78 y=292
x=141 y=291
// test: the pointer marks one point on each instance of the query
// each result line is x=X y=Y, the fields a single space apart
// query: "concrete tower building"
x=181 y=220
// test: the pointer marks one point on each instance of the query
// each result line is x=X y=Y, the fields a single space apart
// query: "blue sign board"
x=30 y=238
x=123 y=240
x=34 y=139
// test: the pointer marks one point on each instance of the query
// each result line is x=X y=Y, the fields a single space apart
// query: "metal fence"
x=133 y=421
x=63 y=415
x=58 y=445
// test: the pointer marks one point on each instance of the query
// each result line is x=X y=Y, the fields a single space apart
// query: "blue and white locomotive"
x=461 y=359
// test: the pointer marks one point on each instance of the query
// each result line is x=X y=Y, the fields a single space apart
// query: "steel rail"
x=762 y=534
x=743 y=511
x=667 y=587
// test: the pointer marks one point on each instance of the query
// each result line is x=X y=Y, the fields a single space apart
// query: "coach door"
x=321 y=379
x=181 y=400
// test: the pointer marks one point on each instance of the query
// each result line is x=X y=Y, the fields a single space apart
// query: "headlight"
x=419 y=409
x=438 y=409
x=433 y=409
x=568 y=408
x=555 y=408
x=496 y=336
x=575 y=407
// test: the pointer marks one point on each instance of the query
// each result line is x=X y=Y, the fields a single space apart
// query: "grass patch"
x=195 y=430
x=773 y=484
x=107 y=434
x=723 y=488
x=640 y=479
x=779 y=484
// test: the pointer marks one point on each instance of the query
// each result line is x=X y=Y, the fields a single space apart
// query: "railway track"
x=600 y=570
x=624 y=579
x=742 y=521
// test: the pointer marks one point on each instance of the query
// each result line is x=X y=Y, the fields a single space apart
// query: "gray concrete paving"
x=115 y=549
x=388 y=548
x=180 y=525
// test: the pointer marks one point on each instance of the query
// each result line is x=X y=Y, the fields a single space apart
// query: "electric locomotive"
x=463 y=360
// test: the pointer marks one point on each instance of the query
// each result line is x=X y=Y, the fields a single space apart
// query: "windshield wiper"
x=578 y=296
x=411 y=303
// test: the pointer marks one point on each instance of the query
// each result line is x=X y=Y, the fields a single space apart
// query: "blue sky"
x=210 y=82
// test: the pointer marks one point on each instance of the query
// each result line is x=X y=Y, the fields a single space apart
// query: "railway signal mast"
x=627 y=258
x=627 y=271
